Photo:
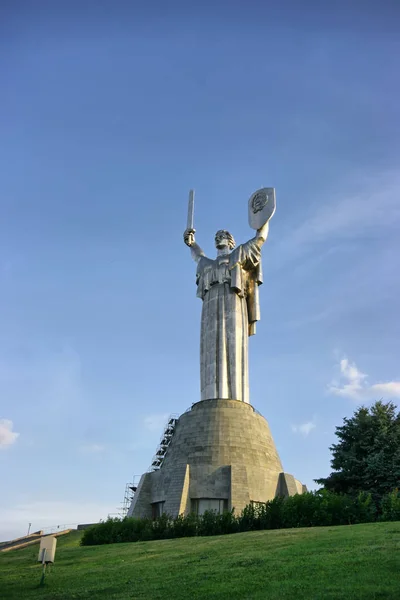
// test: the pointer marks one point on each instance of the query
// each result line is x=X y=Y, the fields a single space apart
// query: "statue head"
x=224 y=239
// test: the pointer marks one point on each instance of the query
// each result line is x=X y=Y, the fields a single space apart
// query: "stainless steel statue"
x=228 y=286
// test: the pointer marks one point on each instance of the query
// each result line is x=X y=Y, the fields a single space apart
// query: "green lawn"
x=352 y=562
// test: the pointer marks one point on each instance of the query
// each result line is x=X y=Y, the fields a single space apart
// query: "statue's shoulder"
x=242 y=248
x=205 y=262
x=247 y=255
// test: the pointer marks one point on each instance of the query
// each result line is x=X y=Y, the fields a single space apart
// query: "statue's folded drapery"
x=228 y=287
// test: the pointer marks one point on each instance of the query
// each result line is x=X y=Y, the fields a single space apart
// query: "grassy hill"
x=352 y=562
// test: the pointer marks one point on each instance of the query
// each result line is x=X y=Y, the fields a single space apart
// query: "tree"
x=367 y=456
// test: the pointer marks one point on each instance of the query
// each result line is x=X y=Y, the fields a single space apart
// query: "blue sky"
x=109 y=114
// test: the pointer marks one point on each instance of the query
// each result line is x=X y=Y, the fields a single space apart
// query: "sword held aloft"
x=190 y=217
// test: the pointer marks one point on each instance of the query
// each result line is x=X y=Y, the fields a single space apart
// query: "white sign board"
x=48 y=546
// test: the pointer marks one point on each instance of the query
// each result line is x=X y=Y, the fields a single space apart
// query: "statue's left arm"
x=249 y=257
x=262 y=234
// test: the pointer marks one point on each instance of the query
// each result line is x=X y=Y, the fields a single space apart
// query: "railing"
x=55 y=528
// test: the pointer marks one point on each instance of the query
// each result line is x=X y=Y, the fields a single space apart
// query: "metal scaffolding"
x=130 y=489
x=165 y=441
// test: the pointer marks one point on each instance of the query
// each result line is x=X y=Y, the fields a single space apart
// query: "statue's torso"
x=219 y=271
x=239 y=271
x=214 y=272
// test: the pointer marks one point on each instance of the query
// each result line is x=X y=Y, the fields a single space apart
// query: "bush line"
x=312 y=509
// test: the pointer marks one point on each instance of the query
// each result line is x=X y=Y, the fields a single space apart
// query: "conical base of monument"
x=221 y=456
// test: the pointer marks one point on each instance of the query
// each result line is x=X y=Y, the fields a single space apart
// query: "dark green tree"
x=367 y=455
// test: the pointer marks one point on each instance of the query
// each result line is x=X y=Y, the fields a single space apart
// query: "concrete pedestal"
x=221 y=451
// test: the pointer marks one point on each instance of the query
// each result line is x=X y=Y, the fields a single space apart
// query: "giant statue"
x=228 y=287
x=219 y=455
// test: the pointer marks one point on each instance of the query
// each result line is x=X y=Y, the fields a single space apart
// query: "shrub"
x=212 y=523
x=302 y=510
x=185 y=526
x=271 y=515
x=105 y=532
x=247 y=519
x=391 y=506
x=228 y=522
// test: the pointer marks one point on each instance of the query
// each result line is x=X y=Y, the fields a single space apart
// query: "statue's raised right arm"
x=188 y=238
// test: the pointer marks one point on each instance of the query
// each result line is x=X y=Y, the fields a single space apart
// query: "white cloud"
x=92 y=448
x=304 y=428
x=7 y=435
x=391 y=389
x=156 y=422
x=354 y=384
x=375 y=203
x=373 y=207
x=353 y=381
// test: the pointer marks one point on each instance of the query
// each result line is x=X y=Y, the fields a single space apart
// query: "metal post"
x=44 y=568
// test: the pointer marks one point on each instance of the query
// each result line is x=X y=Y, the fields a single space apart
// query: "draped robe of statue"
x=228 y=287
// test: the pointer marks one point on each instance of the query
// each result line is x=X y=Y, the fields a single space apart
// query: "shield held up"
x=261 y=207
